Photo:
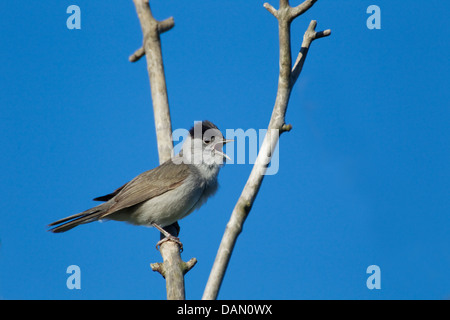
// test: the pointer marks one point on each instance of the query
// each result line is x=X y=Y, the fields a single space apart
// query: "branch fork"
x=287 y=77
x=173 y=270
x=161 y=27
x=288 y=13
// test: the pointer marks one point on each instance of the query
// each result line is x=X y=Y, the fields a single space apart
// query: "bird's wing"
x=148 y=185
x=110 y=195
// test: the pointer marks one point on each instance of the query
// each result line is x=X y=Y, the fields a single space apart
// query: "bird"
x=162 y=196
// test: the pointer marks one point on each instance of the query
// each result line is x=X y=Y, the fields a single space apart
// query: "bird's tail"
x=87 y=216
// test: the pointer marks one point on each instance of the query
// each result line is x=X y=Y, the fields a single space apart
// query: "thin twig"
x=308 y=38
x=138 y=54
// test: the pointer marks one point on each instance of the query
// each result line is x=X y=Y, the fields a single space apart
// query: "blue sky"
x=363 y=177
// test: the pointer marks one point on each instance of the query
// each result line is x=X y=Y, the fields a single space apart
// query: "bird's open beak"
x=218 y=147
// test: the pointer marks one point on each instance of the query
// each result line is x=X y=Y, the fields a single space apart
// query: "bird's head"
x=204 y=145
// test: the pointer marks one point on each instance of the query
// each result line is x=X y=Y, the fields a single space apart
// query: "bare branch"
x=302 y=8
x=286 y=128
x=309 y=36
x=277 y=125
x=189 y=265
x=158 y=267
x=284 y=4
x=152 y=48
x=270 y=9
x=163 y=26
x=290 y=13
x=173 y=268
x=138 y=54
x=166 y=25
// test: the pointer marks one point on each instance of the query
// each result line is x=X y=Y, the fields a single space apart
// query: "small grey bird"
x=162 y=196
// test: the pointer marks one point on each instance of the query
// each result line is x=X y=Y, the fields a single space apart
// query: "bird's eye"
x=209 y=140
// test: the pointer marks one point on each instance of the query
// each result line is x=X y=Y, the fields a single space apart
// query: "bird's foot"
x=170 y=238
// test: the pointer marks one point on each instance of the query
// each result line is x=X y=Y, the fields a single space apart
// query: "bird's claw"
x=170 y=238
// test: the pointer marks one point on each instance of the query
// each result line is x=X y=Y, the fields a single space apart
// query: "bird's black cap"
x=202 y=126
